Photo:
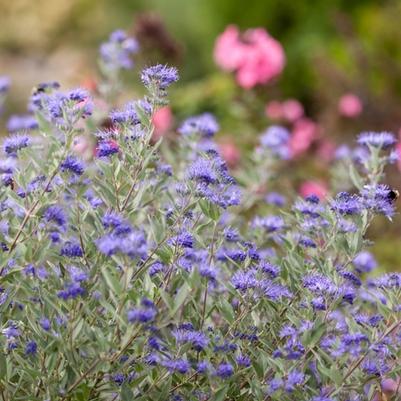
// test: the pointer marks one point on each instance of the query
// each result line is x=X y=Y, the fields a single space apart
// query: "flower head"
x=14 y=143
x=117 y=52
x=382 y=140
x=205 y=125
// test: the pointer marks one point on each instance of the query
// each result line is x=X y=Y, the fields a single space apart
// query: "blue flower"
x=275 y=385
x=183 y=239
x=106 y=148
x=276 y=199
x=76 y=274
x=272 y=270
x=118 y=378
x=141 y=315
x=31 y=348
x=178 y=365
x=276 y=138
x=203 y=124
x=71 y=290
x=14 y=143
x=56 y=215
x=244 y=280
x=295 y=378
x=269 y=223
x=124 y=239
x=71 y=249
x=202 y=367
x=25 y=122
x=197 y=339
x=347 y=204
x=117 y=52
x=127 y=116
x=319 y=284
x=45 y=323
x=73 y=165
x=364 y=262
x=377 y=198
x=156 y=268
x=159 y=76
x=382 y=140
x=5 y=83
x=208 y=271
x=243 y=360
x=224 y=370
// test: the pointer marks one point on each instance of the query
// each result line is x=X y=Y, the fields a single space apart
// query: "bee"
x=45 y=87
x=393 y=195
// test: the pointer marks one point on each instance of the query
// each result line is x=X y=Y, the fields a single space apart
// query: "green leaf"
x=220 y=394
x=3 y=367
x=180 y=298
x=126 y=393
x=111 y=281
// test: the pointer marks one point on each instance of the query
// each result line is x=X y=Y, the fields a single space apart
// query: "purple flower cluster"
x=383 y=140
x=62 y=109
x=213 y=182
x=144 y=275
x=276 y=139
x=204 y=125
x=122 y=238
x=117 y=52
x=25 y=122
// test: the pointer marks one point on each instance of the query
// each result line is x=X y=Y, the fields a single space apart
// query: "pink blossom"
x=292 y=110
x=326 y=150
x=317 y=188
x=83 y=146
x=230 y=153
x=304 y=132
x=274 y=110
x=229 y=50
x=350 y=105
x=162 y=121
x=255 y=56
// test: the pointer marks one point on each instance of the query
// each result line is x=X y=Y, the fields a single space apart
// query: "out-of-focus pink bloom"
x=162 y=121
x=274 y=110
x=230 y=153
x=304 y=132
x=90 y=84
x=391 y=386
x=326 y=150
x=228 y=49
x=350 y=105
x=255 y=56
x=83 y=146
x=292 y=110
x=317 y=188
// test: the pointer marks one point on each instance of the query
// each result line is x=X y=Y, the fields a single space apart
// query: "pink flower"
x=274 y=110
x=292 y=110
x=83 y=146
x=317 y=188
x=304 y=132
x=228 y=49
x=256 y=57
x=350 y=105
x=162 y=121
x=230 y=153
x=326 y=150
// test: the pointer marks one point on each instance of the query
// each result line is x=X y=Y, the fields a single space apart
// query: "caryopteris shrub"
x=147 y=272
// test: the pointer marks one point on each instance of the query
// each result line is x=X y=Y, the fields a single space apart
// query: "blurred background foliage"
x=332 y=47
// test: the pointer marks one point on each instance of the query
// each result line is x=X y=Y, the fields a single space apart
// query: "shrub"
x=124 y=277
